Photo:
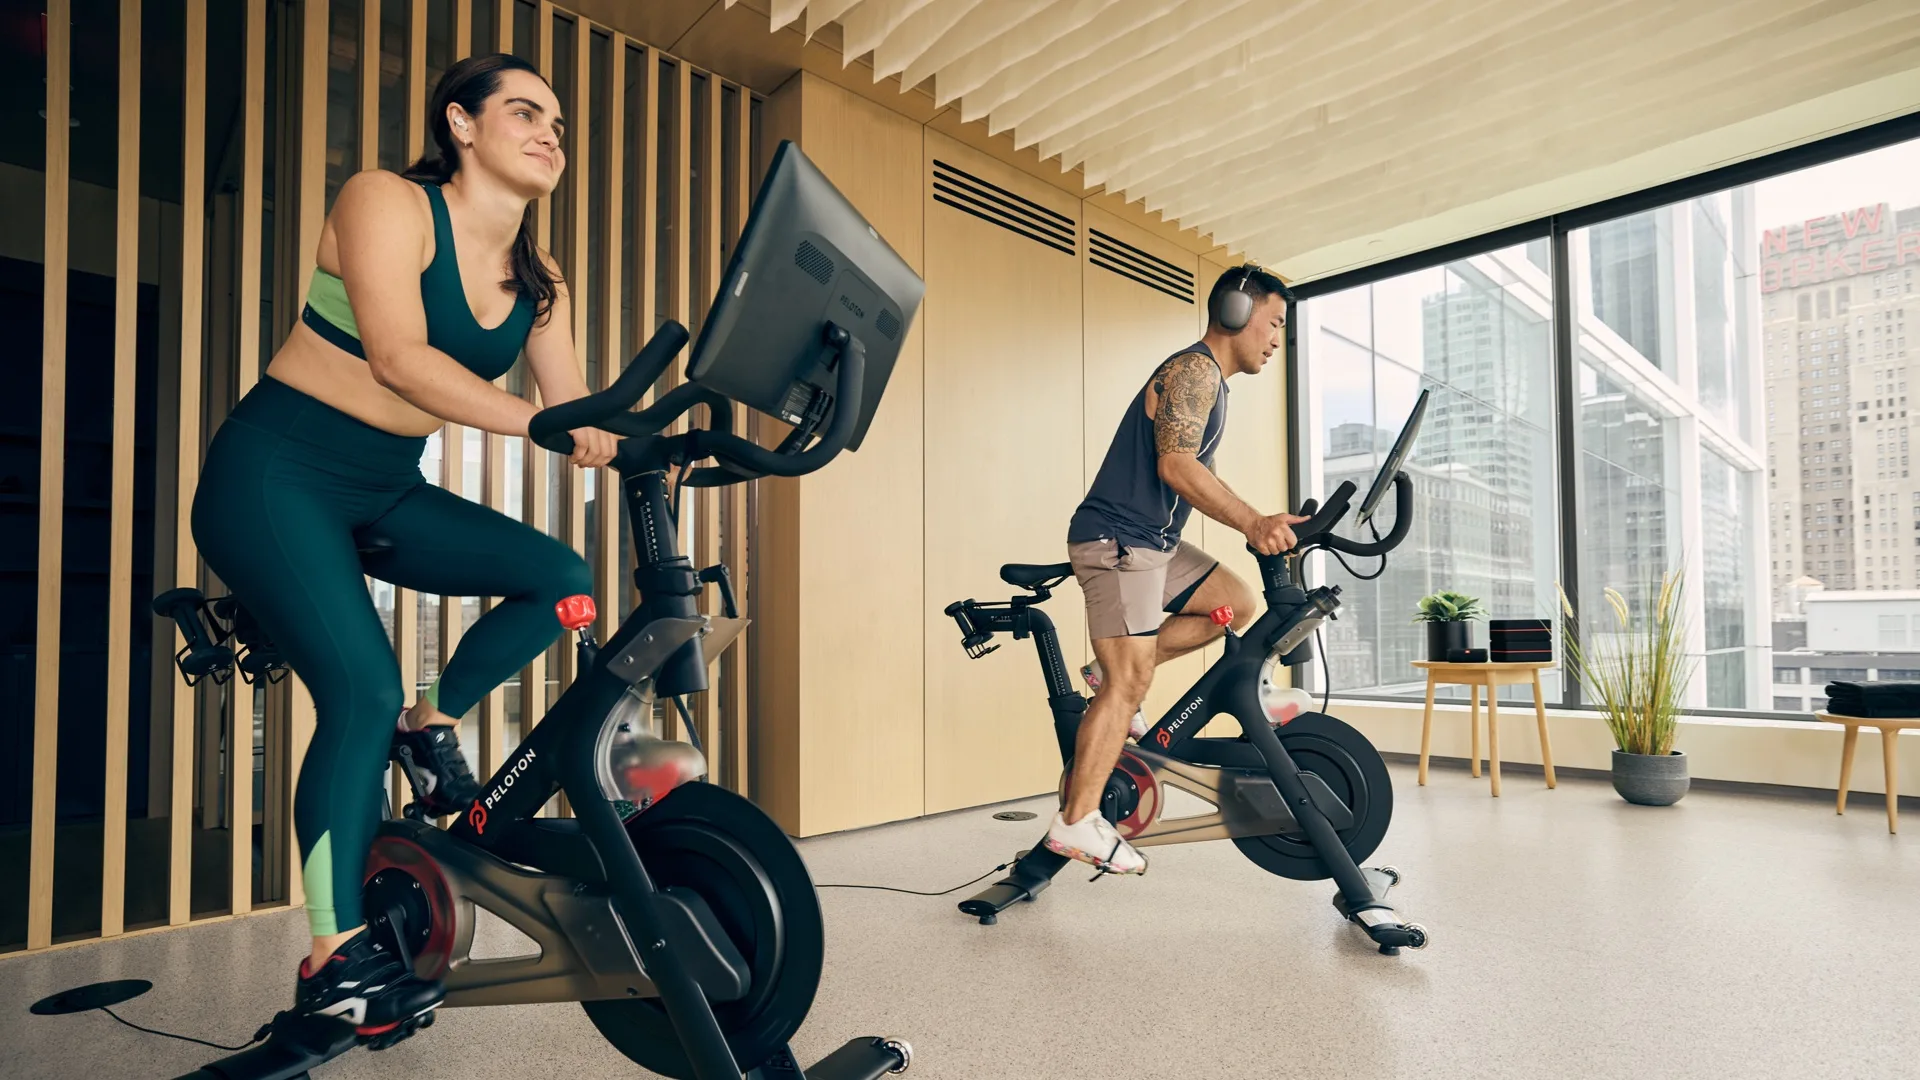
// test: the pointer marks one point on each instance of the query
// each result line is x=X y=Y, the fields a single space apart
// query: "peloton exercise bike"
x=683 y=921
x=1306 y=798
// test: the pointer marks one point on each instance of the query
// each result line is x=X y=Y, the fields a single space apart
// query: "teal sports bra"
x=451 y=327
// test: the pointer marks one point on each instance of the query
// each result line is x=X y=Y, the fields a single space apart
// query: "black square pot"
x=1444 y=636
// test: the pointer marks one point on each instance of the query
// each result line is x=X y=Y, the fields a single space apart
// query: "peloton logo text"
x=848 y=303
x=1166 y=735
x=506 y=782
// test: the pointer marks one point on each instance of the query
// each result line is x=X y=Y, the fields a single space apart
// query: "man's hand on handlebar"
x=1273 y=534
x=592 y=447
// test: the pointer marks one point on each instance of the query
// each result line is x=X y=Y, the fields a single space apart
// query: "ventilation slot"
x=815 y=262
x=992 y=203
x=1135 y=265
x=887 y=323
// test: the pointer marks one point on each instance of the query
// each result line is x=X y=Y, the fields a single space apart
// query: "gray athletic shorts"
x=1130 y=590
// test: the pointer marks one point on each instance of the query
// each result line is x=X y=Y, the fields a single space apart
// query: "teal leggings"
x=287 y=485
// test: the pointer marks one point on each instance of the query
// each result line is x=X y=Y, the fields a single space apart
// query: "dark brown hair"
x=469 y=84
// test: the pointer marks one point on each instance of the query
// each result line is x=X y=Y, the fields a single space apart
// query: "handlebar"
x=549 y=426
x=738 y=458
x=1317 y=530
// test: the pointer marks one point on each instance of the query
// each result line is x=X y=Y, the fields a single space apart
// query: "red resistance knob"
x=576 y=612
x=1222 y=615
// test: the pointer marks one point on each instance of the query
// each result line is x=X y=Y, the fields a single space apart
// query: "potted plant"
x=1637 y=674
x=1446 y=615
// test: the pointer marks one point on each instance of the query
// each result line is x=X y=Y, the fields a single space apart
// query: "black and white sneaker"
x=367 y=986
x=436 y=768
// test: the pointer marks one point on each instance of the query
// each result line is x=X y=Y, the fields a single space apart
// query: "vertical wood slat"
x=126 y=313
x=315 y=46
x=706 y=501
x=580 y=126
x=453 y=444
x=607 y=573
x=300 y=731
x=462 y=35
x=502 y=23
x=644 y=217
x=680 y=256
x=733 y=668
x=186 y=557
x=417 y=84
x=533 y=682
x=53 y=412
x=369 y=82
x=493 y=711
x=240 y=744
x=406 y=602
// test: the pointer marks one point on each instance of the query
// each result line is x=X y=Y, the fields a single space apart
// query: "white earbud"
x=460 y=123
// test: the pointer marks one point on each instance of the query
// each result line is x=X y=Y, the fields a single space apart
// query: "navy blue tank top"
x=1128 y=501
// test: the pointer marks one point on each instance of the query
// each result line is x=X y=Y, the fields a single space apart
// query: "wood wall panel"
x=1004 y=455
x=857 y=635
x=1127 y=331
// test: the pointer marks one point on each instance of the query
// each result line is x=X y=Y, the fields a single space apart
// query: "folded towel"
x=1874 y=700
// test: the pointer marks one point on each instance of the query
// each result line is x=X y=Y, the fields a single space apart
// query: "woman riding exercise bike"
x=428 y=287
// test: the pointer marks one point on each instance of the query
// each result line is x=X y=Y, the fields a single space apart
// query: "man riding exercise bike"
x=1148 y=592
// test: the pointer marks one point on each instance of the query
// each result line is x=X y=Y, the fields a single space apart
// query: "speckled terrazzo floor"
x=1734 y=935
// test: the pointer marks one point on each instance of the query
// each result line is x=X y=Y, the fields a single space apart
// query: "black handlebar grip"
x=550 y=426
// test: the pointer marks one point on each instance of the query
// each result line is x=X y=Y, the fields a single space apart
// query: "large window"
x=1731 y=400
x=1478 y=334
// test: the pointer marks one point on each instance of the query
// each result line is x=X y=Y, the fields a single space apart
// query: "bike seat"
x=1028 y=575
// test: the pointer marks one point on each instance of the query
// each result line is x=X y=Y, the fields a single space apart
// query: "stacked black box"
x=1513 y=641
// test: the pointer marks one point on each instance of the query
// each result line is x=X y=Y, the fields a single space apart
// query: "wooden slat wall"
x=53 y=432
x=608 y=569
x=186 y=559
x=533 y=682
x=680 y=263
x=733 y=666
x=706 y=501
x=369 y=58
x=126 y=311
x=240 y=741
x=717 y=518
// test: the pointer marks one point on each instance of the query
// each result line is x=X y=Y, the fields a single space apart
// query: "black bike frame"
x=558 y=755
x=1230 y=686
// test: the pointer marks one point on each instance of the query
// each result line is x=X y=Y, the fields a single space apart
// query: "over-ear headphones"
x=1232 y=309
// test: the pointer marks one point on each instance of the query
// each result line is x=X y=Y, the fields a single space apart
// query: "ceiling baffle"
x=1294 y=130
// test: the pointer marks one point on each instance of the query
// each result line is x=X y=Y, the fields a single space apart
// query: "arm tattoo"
x=1187 y=386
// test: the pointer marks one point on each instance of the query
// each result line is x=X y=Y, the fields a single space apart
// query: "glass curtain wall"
x=1734 y=399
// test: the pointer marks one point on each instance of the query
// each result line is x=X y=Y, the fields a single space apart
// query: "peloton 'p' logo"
x=1164 y=738
x=477 y=817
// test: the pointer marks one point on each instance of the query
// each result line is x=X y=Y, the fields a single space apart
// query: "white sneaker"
x=1093 y=840
x=1137 y=727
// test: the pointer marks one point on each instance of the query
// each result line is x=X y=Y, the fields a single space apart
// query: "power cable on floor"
x=917 y=892
x=183 y=1038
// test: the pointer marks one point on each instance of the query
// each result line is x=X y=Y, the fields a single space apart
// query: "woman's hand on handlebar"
x=592 y=447
x=1273 y=534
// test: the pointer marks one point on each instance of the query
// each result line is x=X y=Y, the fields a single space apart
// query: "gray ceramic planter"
x=1649 y=780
